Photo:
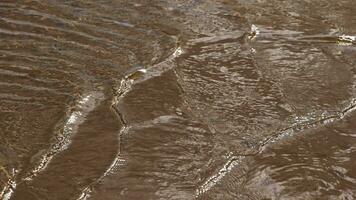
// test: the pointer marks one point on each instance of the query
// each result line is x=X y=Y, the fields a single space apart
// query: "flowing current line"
x=125 y=86
x=67 y=130
x=10 y=185
x=235 y=160
x=118 y=161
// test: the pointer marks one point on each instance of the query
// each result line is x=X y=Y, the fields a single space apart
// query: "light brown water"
x=176 y=100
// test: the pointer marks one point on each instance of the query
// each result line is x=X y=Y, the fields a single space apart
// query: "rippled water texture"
x=208 y=100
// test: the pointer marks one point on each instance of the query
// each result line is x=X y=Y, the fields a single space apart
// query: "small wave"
x=300 y=125
x=232 y=162
x=10 y=186
x=63 y=139
x=133 y=77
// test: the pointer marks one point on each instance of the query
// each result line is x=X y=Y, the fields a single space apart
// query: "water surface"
x=177 y=100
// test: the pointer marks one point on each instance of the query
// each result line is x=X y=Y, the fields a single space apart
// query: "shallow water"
x=177 y=99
